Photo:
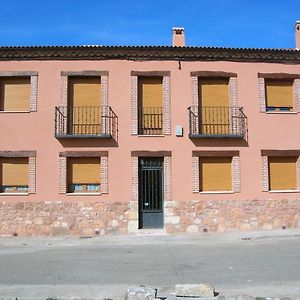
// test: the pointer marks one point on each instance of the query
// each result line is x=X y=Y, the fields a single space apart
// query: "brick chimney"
x=178 y=37
x=297 y=34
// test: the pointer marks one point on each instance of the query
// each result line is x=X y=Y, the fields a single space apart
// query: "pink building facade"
x=208 y=160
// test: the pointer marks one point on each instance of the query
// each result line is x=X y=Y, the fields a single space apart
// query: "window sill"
x=217 y=192
x=14 y=111
x=284 y=191
x=282 y=112
x=14 y=194
x=83 y=194
x=151 y=135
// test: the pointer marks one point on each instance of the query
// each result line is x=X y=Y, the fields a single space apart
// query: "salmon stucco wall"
x=48 y=212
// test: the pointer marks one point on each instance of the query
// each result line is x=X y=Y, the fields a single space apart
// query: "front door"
x=151 y=191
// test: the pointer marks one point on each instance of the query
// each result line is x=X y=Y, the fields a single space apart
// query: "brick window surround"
x=265 y=168
x=103 y=97
x=33 y=85
x=262 y=88
x=166 y=99
x=235 y=168
x=103 y=155
x=31 y=166
x=133 y=204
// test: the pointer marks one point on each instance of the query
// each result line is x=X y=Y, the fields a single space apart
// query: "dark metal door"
x=151 y=192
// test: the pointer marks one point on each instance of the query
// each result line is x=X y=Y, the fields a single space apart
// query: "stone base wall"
x=62 y=218
x=101 y=218
x=232 y=215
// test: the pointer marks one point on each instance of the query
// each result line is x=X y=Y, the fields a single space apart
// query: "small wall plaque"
x=179 y=130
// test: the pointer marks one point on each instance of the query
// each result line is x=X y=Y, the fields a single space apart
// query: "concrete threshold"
x=151 y=232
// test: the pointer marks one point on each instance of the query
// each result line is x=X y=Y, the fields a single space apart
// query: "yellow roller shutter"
x=84 y=91
x=16 y=93
x=215 y=173
x=14 y=171
x=84 y=170
x=279 y=93
x=150 y=91
x=213 y=105
x=84 y=96
x=282 y=173
x=150 y=97
x=213 y=91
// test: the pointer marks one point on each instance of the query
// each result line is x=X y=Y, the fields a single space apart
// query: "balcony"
x=217 y=122
x=150 y=121
x=85 y=122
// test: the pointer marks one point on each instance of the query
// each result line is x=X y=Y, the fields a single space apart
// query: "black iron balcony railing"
x=209 y=121
x=150 y=121
x=85 y=122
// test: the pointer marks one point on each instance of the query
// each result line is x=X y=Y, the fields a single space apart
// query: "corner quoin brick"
x=103 y=100
x=133 y=205
x=196 y=175
x=64 y=90
x=167 y=105
x=298 y=173
x=262 y=94
x=34 y=92
x=236 y=174
x=167 y=178
x=62 y=174
x=104 y=174
x=195 y=96
x=134 y=105
x=265 y=173
x=296 y=94
x=104 y=91
x=233 y=97
x=32 y=175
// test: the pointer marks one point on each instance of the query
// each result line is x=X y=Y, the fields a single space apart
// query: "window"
x=279 y=94
x=15 y=93
x=282 y=173
x=214 y=114
x=83 y=174
x=216 y=171
x=84 y=111
x=84 y=105
x=150 y=102
x=215 y=174
x=14 y=174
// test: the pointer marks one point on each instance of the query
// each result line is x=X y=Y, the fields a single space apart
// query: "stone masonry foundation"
x=102 y=218
x=62 y=218
x=231 y=215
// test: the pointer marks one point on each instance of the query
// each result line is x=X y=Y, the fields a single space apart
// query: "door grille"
x=151 y=191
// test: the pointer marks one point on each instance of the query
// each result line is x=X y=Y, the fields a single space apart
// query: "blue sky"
x=224 y=23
